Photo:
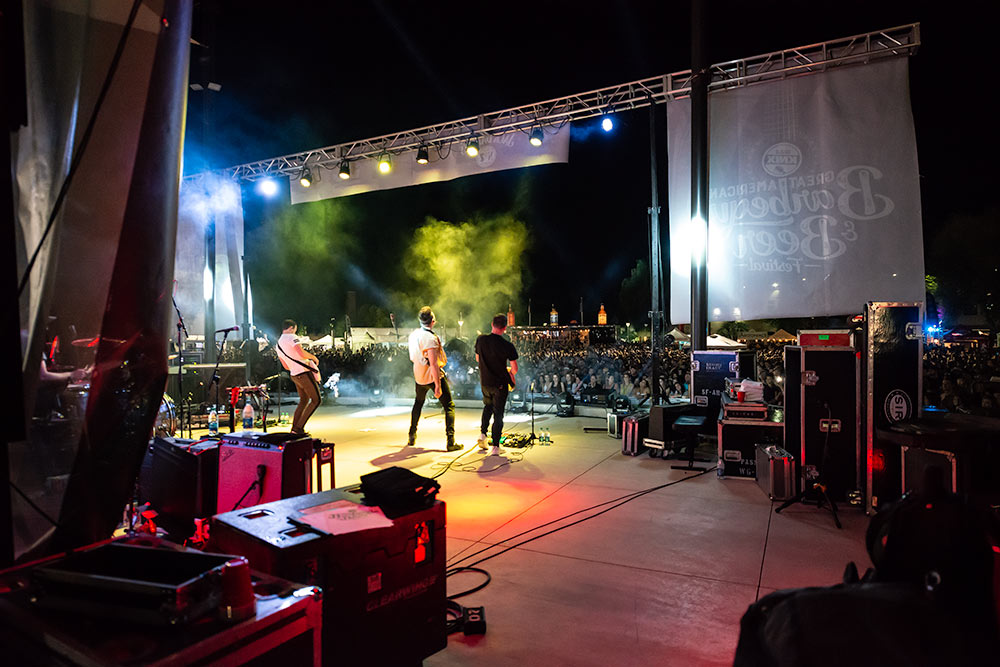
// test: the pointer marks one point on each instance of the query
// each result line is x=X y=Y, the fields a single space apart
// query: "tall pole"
x=655 y=262
x=699 y=176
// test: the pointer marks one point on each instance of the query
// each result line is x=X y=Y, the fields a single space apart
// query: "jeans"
x=494 y=401
x=446 y=402
x=309 y=398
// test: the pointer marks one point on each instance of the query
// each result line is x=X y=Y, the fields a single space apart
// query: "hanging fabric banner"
x=814 y=200
x=496 y=153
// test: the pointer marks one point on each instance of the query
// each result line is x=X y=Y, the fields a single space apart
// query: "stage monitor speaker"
x=257 y=468
x=662 y=418
x=892 y=354
x=821 y=415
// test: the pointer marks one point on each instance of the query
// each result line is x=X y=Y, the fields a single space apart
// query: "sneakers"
x=481 y=441
x=454 y=447
x=496 y=451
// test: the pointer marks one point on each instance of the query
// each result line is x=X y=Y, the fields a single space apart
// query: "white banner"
x=507 y=151
x=814 y=196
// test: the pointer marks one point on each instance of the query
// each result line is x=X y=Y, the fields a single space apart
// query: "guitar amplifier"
x=384 y=598
x=257 y=468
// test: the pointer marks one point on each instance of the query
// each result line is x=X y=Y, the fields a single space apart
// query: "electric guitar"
x=310 y=364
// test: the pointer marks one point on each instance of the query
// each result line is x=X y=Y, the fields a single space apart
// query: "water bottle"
x=248 y=417
x=213 y=422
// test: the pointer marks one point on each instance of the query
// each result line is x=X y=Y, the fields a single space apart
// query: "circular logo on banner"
x=487 y=156
x=897 y=406
x=782 y=159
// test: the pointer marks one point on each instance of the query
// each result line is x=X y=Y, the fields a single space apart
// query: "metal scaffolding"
x=859 y=49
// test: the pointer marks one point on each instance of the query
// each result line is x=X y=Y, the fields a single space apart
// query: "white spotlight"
x=267 y=187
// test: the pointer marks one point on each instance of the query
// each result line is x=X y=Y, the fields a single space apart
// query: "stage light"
x=306 y=179
x=607 y=124
x=536 y=137
x=267 y=187
x=345 y=169
x=384 y=163
x=472 y=148
x=422 y=155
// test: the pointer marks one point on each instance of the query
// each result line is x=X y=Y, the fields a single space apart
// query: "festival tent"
x=781 y=335
x=716 y=342
x=679 y=335
x=325 y=341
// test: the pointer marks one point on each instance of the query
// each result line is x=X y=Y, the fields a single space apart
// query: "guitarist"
x=304 y=369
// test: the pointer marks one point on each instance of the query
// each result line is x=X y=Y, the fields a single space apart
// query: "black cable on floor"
x=767 y=535
x=474 y=589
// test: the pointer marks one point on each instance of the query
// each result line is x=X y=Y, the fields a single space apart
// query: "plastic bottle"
x=213 y=422
x=248 y=417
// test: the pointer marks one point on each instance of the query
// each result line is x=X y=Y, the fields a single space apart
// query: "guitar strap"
x=299 y=362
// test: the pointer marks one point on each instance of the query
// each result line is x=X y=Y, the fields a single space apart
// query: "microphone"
x=218 y=331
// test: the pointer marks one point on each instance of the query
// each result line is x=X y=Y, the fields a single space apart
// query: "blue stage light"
x=607 y=124
x=267 y=187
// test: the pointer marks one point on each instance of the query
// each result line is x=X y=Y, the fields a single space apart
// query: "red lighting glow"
x=878 y=461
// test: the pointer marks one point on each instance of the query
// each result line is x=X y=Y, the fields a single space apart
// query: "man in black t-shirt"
x=493 y=351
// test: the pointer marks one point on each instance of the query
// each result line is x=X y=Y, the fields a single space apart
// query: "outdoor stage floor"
x=661 y=580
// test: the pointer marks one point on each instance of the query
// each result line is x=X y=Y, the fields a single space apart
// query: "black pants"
x=309 y=398
x=446 y=402
x=494 y=401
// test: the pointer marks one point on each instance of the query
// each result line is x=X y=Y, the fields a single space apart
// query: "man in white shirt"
x=428 y=357
x=304 y=369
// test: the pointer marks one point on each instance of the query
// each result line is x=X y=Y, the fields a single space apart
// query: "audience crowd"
x=957 y=379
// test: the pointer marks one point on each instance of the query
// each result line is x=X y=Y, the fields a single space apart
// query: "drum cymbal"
x=93 y=341
x=86 y=342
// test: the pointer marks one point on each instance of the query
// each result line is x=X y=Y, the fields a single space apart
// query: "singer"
x=428 y=357
x=493 y=351
x=304 y=369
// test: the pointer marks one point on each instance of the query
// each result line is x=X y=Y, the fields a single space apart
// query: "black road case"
x=893 y=391
x=635 y=428
x=822 y=414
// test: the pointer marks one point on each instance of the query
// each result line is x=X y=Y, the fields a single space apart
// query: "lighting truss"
x=859 y=49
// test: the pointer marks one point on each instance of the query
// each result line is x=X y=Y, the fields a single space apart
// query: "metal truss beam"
x=858 y=49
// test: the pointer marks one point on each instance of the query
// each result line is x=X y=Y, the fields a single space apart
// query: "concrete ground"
x=654 y=578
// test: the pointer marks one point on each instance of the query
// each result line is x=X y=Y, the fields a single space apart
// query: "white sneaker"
x=496 y=451
x=481 y=441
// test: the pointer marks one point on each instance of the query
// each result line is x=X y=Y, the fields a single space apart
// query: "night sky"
x=306 y=75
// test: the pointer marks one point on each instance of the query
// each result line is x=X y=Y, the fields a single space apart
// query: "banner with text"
x=814 y=200
x=496 y=153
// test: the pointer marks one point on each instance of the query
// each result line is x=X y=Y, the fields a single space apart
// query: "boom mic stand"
x=185 y=405
x=532 y=438
x=215 y=372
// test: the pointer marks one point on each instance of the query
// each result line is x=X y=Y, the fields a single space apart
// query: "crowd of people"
x=957 y=379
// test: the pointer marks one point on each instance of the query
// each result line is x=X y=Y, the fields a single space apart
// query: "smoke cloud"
x=468 y=268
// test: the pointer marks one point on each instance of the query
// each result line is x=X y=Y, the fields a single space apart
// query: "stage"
x=663 y=579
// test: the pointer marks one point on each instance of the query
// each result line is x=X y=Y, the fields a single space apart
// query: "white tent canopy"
x=716 y=342
x=678 y=335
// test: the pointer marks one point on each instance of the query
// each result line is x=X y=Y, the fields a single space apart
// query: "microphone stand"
x=215 y=371
x=180 y=370
x=531 y=439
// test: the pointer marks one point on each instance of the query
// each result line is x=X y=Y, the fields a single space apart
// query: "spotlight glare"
x=267 y=187
x=345 y=170
x=384 y=164
x=536 y=137
x=607 y=124
x=422 y=155
x=472 y=148
x=306 y=179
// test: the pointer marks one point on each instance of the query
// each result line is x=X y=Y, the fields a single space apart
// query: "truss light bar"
x=422 y=155
x=306 y=179
x=345 y=170
x=802 y=60
x=536 y=137
x=472 y=148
